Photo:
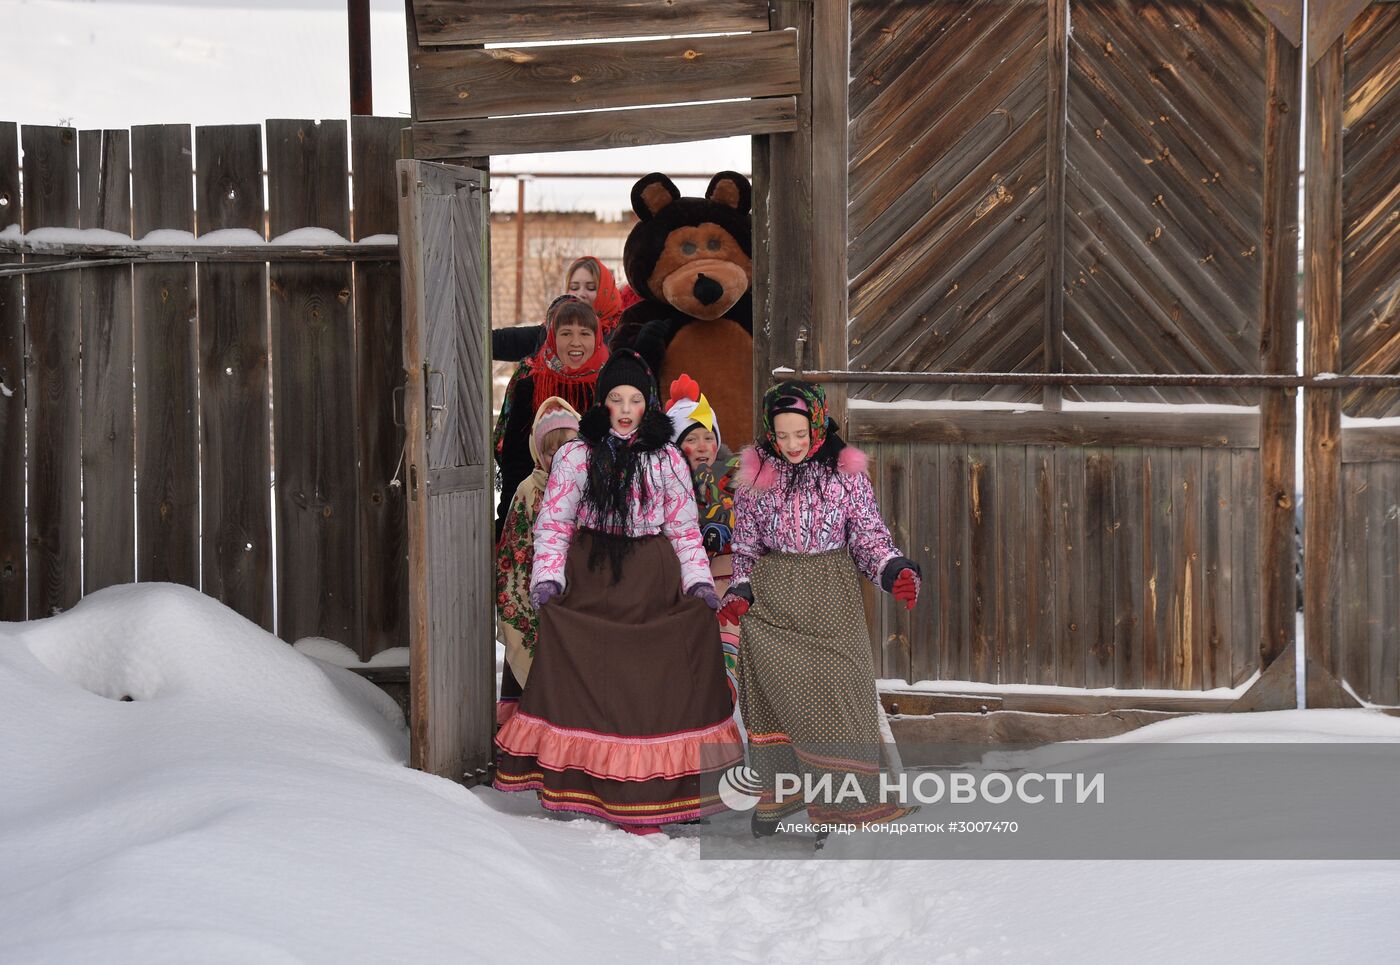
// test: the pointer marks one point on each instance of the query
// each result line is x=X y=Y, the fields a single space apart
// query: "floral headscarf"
x=800 y=397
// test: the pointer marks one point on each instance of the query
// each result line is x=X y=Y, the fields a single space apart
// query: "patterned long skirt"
x=627 y=715
x=807 y=690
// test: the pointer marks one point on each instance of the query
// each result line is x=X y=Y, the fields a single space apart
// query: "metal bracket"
x=800 y=350
x=396 y=405
x=433 y=401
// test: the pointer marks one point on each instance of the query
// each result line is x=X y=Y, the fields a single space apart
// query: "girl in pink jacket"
x=627 y=715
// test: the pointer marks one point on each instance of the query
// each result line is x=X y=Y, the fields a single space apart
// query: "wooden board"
x=1128 y=568
x=1073 y=602
x=927 y=548
x=953 y=579
x=53 y=382
x=236 y=544
x=12 y=376
x=451 y=84
x=1278 y=348
x=163 y=298
x=443 y=217
x=442 y=22
x=782 y=218
x=596 y=130
x=1042 y=497
x=313 y=392
x=984 y=552
x=109 y=516
x=1075 y=427
x=374 y=152
x=1322 y=456
x=1102 y=529
x=1014 y=641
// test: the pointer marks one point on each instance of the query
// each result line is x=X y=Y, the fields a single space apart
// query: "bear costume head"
x=689 y=259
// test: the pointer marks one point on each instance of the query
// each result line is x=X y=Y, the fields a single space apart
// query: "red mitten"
x=730 y=613
x=906 y=588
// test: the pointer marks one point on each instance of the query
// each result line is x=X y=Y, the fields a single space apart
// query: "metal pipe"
x=1100 y=378
x=520 y=251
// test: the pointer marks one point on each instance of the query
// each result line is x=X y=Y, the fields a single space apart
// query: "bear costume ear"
x=730 y=188
x=653 y=193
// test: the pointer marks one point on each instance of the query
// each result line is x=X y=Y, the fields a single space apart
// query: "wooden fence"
x=183 y=411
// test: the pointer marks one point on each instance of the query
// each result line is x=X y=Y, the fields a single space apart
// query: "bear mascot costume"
x=689 y=260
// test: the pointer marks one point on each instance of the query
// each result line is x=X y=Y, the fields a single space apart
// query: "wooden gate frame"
x=1327 y=24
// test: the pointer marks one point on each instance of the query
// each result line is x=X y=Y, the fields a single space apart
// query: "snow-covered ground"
x=251 y=804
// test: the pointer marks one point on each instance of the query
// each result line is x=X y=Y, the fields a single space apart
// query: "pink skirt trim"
x=620 y=758
x=597 y=811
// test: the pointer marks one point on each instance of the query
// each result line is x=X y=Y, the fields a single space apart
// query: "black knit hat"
x=626 y=367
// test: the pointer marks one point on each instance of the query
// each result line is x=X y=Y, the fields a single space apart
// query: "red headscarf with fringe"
x=607 y=304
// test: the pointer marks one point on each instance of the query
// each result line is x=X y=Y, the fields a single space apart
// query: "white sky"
x=113 y=63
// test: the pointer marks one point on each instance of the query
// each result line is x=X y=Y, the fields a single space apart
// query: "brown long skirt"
x=807 y=689
x=626 y=715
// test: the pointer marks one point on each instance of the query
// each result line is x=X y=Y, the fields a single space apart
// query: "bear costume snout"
x=705 y=288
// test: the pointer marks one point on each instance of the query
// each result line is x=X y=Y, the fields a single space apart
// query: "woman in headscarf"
x=588 y=280
x=627 y=716
x=566 y=366
x=806 y=528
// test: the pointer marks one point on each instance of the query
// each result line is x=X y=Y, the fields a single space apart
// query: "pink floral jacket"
x=840 y=512
x=670 y=510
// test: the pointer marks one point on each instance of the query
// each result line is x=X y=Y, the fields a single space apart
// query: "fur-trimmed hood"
x=760 y=472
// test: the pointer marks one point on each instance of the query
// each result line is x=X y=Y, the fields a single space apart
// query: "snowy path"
x=251 y=805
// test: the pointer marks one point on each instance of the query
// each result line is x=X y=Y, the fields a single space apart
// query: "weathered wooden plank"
x=1014 y=644
x=1370 y=444
x=453 y=84
x=1217 y=520
x=1071 y=601
x=1185 y=650
x=313 y=393
x=830 y=192
x=894 y=645
x=374 y=149
x=443 y=22
x=53 y=381
x=953 y=588
x=1101 y=528
x=109 y=517
x=1355 y=607
x=927 y=547
x=1245 y=544
x=12 y=395
x=1042 y=515
x=984 y=535
x=1128 y=567
x=877 y=613
x=1278 y=350
x=1322 y=298
x=597 y=130
x=1057 y=122
x=1327 y=22
x=1073 y=427
x=1385 y=480
x=783 y=218
x=236 y=538
x=1159 y=539
x=923 y=702
x=163 y=298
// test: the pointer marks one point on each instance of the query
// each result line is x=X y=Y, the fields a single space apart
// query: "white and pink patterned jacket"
x=670 y=510
x=840 y=512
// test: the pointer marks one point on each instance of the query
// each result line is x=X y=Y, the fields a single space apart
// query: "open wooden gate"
x=443 y=215
x=1352 y=283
